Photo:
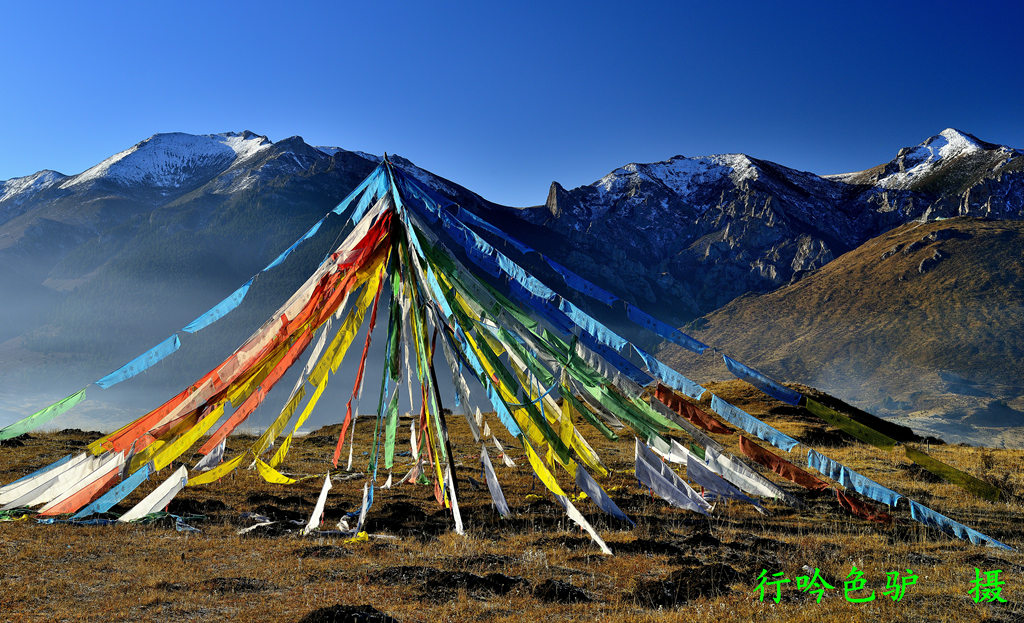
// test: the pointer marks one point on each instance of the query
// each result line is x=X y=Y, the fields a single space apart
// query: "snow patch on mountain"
x=370 y=157
x=680 y=174
x=289 y=157
x=915 y=162
x=330 y=151
x=427 y=178
x=21 y=187
x=244 y=144
x=168 y=160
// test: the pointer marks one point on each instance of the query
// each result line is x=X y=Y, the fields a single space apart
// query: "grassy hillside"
x=535 y=565
x=923 y=322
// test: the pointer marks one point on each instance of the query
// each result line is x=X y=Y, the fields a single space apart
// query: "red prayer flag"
x=86 y=494
x=690 y=411
x=781 y=466
x=862 y=510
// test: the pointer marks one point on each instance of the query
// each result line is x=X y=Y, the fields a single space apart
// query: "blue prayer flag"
x=851 y=479
x=219 y=310
x=751 y=424
x=142 y=362
x=762 y=382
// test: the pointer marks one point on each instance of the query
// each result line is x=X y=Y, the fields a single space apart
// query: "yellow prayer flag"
x=171 y=451
x=271 y=475
x=540 y=469
x=218 y=472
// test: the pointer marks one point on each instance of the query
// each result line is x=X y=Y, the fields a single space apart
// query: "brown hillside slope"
x=923 y=323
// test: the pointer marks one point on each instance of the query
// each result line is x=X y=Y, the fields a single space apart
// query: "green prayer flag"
x=860 y=431
x=952 y=475
x=391 y=425
x=42 y=416
x=697 y=450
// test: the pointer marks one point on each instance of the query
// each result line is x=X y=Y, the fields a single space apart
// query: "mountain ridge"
x=775 y=222
x=142 y=246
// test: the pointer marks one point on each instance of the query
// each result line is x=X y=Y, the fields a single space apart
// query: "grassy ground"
x=536 y=565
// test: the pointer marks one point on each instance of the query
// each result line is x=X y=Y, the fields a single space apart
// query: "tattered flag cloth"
x=690 y=411
x=781 y=466
x=671 y=377
x=588 y=485
x=713 y=483
x=19 y=489
x=456 y=514
x=271 y=475
x=466 y=216
x=860 y=431
x=159 y=497
x=762 y=382
x=653 y=473
x=16 y=483
x=73 y=497
x=219 y=310
x=666 y=331
x=318 y=510
x=746 y=479
x=699 y=436
x=581 y=285
x=41 y=417
x=497 y=496
x=213 y=459
x=117 y=493
x=669 y=450
x=142 y=362
x=862 y=510
x=931 y=518
x=950 y=474
x=284 y=255
x=851 y=479
x=740 y=418
x=45 y=488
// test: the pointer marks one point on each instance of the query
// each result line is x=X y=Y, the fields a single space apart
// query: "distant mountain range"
x=685 y=236
x=100 y=265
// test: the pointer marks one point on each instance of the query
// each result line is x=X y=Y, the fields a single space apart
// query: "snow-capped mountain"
x=156 y=233
x=949 y=152
x=152 y=236
x=19 y=189
x=171 y=160
x=690 y=234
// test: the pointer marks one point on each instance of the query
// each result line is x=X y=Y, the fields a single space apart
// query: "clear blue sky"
x=506 y=99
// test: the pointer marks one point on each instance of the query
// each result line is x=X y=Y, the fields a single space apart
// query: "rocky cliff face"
x=687 y=235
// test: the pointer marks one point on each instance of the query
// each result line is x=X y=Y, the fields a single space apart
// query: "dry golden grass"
x=153 y=573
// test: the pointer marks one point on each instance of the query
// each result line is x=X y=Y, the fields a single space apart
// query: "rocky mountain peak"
x=917 y=167
x=945 y=145
x=169 y=160
x=703 y=230
x=22 y=187
x=681 y=175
